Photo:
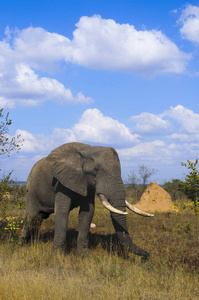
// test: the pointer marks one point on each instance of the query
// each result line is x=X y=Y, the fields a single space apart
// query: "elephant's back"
x=40 y=177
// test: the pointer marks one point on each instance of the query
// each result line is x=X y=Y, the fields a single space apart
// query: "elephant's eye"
x=96 y=168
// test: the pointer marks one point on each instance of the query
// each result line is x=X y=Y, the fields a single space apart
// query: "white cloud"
x=147 y=150
x=184 y=138
x=178 y=123
x=27 y=89
x=187 y=119
x=60 y=136
x=190 y=23
x=23 y=53
x=97 y=43
x=39 y=143
x=104 y=44
x=7 y=103
x=174 y=11
x=95 y=127
x=31 y=143
x=39 y=48
x=151 y=124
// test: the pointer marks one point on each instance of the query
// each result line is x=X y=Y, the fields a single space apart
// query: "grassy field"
x=171 y=272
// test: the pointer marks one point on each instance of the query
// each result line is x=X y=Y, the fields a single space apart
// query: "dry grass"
x=172 y=271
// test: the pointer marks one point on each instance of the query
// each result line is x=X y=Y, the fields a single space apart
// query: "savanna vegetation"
x=34 y=272
x=7 y=146
x=171 y=272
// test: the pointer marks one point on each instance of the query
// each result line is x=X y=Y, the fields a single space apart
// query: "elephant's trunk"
x=117 y=200
x=115 y=194
x=119 y=223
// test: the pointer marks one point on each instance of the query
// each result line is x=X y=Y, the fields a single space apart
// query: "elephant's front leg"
x=86 y=213
x=62 y=209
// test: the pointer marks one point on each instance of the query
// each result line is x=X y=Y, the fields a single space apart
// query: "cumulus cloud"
x=30 y=90
x=93 y=127
x=190 y=23
x=148 y=150
x=180 y=142
x=97 y=44
x=178 y=136
x=39 y=143
x=32 y=143
x=151 y=124
x=104 y=44
x=178 y=118
x=184 y=138
x=40 y=49
x=178 y=125
x=22 y=55
x=186 y=118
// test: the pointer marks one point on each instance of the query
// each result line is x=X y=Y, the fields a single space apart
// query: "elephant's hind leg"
x=31 y=226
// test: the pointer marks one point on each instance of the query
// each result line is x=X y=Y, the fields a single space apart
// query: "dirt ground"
x=154 y=199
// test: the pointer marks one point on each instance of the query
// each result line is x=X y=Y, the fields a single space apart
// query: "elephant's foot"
x=138 y=251
x=59 y=249
x=82 y=249
x=25 y=237
x=84 y=252
x=23 y=241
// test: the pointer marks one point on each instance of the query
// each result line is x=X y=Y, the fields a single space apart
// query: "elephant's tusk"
x=137 y=211
x=108 y=206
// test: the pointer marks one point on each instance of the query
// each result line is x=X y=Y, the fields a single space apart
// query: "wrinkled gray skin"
x=69 y=177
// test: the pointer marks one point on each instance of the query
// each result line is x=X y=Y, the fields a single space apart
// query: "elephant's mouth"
x=108 y=206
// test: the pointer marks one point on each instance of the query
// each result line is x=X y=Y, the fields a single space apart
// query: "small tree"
x=145 y=173
x=173 y=188
x=132 y=180
x=7 y=145
x=137 y=184
x=191 y=185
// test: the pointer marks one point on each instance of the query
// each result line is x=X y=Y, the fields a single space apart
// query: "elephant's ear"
x=67 y=168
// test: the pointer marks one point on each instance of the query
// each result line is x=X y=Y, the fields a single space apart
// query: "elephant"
x=70 y=176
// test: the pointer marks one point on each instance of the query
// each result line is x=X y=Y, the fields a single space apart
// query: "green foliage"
x=191 y=185
x=13 y=226
x=187 y=205
x=173 y=188
x=4 y=188
x=8 y=145
x=18 y=193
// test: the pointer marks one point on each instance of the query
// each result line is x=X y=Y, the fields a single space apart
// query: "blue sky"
x=111 y=73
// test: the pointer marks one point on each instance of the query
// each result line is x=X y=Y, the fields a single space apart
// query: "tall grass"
x=171 y=272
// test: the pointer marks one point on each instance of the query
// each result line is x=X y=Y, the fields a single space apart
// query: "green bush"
x=174 y=190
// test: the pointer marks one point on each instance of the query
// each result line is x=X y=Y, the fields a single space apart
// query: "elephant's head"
x=78 y=167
